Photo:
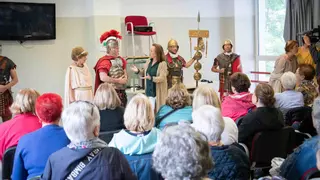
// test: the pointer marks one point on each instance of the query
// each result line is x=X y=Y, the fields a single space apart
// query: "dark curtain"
x=299 y=18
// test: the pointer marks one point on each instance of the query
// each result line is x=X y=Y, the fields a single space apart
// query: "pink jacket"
x=237 y=105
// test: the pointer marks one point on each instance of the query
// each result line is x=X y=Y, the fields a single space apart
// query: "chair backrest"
x=7 y=162
x=269 y=144
x=141 y=166
x=312 y=173
x=303 y=115
x=136 y=21
x=108 y=135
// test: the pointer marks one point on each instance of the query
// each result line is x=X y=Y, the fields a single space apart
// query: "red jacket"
x=237 y=105
x=11 y=131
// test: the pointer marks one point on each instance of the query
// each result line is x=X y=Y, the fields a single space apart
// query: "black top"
x=261 y=119
x=108 y=164
x=111 y=120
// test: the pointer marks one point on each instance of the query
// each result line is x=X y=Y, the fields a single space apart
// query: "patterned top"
x=309 y=91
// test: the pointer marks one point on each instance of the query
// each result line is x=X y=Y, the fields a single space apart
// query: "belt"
x=84 y=88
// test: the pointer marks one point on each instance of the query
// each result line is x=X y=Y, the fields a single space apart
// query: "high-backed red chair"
x=139 y=21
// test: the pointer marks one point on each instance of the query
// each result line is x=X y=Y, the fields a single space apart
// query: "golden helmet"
x=172 y=42
x=228 y=41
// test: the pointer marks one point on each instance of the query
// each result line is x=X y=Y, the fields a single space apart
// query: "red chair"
x=135 y=21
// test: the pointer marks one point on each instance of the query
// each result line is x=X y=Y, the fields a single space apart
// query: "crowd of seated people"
x=198 y=139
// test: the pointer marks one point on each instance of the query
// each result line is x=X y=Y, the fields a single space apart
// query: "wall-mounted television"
x=27 y=21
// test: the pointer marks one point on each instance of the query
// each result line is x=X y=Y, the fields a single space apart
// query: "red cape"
x=104 y=65
x=169 y=59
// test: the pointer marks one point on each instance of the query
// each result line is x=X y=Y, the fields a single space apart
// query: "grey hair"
x=79 y=121
x=288 y=80
x=208 y=120
x=112 y=43
x=182 y=153
x=316 y=114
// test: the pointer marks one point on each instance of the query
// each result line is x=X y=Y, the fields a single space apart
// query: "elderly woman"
x=140 y=137
x=155 y=74
x=23 y=122
x=182 y=153
x=285 y=63
x=86 y=157
x=230 y=161
x=303 y=158
x=109 y=104
x=238 y=104
x=265 y=118
x=305 y=83
x=35 y=148
x=178 y=107
x=289 y=98
x=205 y=95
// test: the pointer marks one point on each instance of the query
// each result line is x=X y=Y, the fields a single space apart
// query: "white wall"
x=42 y=64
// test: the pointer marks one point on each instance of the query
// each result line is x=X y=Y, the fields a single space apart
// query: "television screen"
x=27 y=21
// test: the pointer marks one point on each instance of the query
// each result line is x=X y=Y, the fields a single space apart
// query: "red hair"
x=49 y=107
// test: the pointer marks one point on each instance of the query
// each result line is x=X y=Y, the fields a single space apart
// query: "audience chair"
x=300 y=138
x=300 y=118
x=7 y=162
x=313 y=173
x=134 y=22
x=108 y=135
x=269 y=144
x=141 y=166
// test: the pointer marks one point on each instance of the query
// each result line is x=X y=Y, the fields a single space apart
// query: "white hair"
x=208 y=120
x=79 y=121
x=288 y=80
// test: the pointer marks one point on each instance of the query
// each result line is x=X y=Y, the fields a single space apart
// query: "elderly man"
x=289 y=98
x=303 y=158
x=230 y=161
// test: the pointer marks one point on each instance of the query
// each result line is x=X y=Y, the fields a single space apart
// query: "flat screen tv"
x=27 y=21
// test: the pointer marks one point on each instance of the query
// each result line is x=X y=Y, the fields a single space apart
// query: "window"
x=271 y=18
x=269 y=34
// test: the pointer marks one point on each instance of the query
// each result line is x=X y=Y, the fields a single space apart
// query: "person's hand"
x=134 y=68
x=221 y=70
x=146 y=77
x=306 y=40
x=2 y=89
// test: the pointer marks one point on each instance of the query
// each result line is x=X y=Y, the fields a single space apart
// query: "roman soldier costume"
x=230 y=62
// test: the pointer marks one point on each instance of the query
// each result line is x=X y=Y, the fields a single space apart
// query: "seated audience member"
x=230 y=161
x=305 y=83
x=266 y=117
x=35 y=148
x=109 y=104
x=289 y=98
x=23 y=122
x=140 y=137
x=205 y=95
x=303 y=158
x=238 y=104
x=86 y=157
x=182 y=153
x=178 y=107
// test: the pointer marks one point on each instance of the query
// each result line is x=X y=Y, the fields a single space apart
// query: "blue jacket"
x=184 y=114
x=108 y=164
x=301 y=160
x=141 y=165
x=230 y=163
x=34 y=150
